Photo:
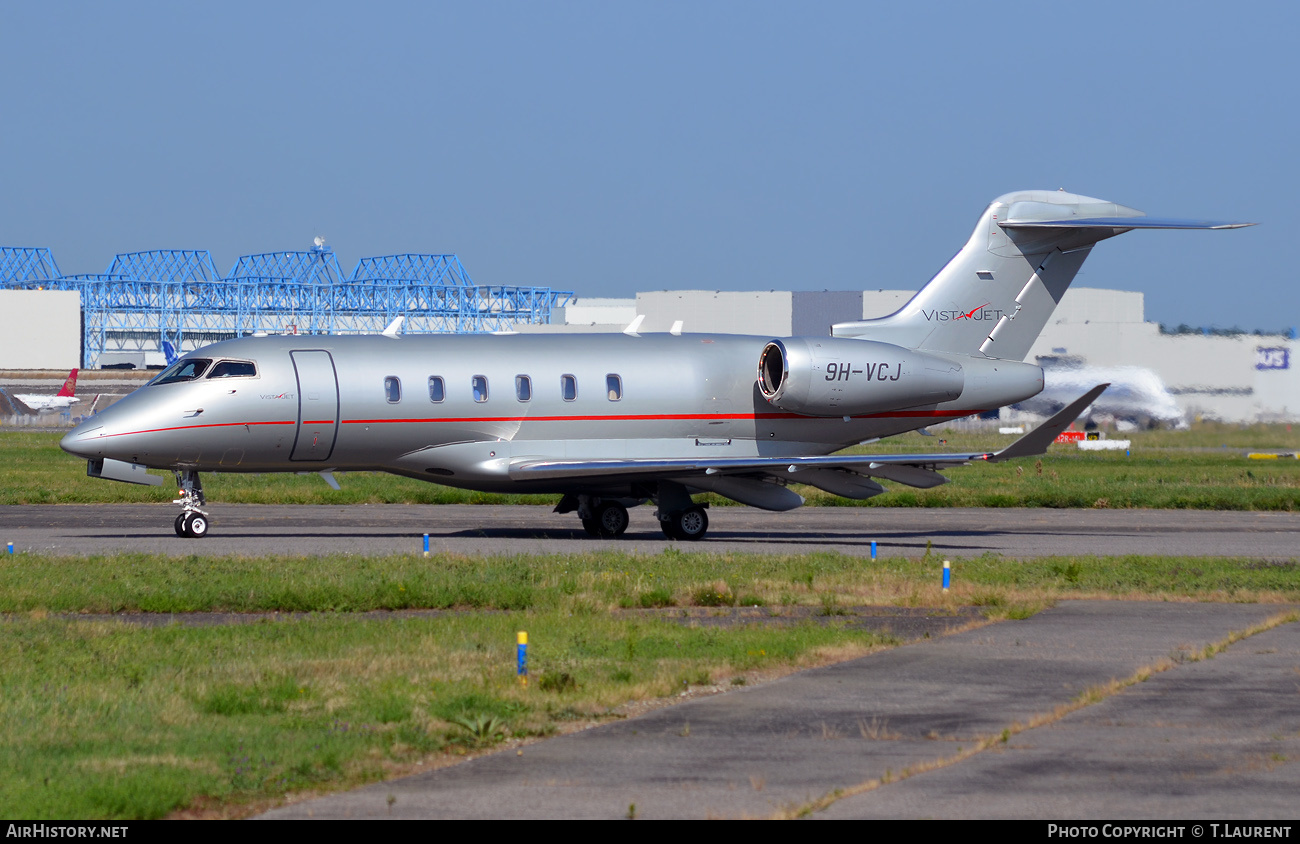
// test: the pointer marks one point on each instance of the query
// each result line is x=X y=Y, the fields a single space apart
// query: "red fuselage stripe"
x=901 y=414
x=194 y=428
x=656 y=417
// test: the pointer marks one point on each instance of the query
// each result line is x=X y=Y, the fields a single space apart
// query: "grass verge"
x=607 y=580
x=104 y=720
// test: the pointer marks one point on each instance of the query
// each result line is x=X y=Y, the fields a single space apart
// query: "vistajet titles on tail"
x=610 y=421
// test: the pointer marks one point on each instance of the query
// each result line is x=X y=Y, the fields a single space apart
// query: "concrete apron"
x=770 y=749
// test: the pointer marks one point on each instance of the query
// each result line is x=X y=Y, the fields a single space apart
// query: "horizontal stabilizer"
x=1120 y=223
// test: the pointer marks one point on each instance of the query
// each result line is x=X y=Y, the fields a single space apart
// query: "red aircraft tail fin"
x=70 y=386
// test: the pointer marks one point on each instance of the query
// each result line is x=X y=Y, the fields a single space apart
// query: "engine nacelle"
x=832 y=376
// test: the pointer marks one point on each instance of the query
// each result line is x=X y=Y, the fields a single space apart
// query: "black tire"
x=689 y=524
x=692 y=523
x=611 y=519
x=591 y=526
x=196 y=525
x=180 y=524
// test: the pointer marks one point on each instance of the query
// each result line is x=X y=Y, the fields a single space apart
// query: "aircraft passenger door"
x=318 y=405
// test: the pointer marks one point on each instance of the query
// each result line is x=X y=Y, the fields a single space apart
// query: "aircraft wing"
x=917 y=470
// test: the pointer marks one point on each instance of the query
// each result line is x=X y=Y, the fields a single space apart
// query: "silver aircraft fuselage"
x=355 y=403
x=613 y=420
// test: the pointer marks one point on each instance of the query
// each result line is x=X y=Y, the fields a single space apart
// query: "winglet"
x=395 y=327
x=634 y=326
x=1037 y=440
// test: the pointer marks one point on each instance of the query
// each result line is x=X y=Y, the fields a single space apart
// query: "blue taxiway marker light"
x=11 y=547
x=522 y=667
x=947 y=575
x=873 y=549
x=426 y=545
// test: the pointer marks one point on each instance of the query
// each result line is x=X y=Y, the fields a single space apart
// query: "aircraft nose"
x=79 y=440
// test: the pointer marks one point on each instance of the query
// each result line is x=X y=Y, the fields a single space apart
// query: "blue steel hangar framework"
x=177 y=295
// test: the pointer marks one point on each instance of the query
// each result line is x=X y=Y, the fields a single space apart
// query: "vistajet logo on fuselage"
x=980 y=314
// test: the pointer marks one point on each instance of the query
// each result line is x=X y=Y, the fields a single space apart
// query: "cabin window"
x=183 y=370
x=614 y=387
x=480 y=388
x=568 y=387
x=437 y=388
x=523 y=388
x=234 y=369
x=393 y=389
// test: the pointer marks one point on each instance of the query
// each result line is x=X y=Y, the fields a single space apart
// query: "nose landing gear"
x=193 y=522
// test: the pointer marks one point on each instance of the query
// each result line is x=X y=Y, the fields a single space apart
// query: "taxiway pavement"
x=252 y=530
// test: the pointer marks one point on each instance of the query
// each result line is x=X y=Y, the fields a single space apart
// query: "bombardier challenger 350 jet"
x=612 y=421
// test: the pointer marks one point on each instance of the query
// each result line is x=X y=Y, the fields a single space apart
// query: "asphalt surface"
x=253 y=530
x=1218 y=738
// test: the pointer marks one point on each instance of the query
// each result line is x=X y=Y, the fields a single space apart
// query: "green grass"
x=101 y=720
x=1203 y=468
x=108 y=720
x=604 y=581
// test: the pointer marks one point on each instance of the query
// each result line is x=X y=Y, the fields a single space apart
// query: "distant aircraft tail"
x=70 y=385
x=997 y=293
x=169 y=352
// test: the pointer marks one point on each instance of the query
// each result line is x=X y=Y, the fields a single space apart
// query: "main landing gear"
x=193 y=521
x=600 y=517
x=679 y=516
x=689 y=524
x=608 y=519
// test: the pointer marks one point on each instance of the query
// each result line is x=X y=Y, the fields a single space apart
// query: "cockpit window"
x=233 y=369
x=182 y=370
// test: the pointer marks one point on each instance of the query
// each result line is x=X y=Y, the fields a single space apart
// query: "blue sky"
x=610 y=147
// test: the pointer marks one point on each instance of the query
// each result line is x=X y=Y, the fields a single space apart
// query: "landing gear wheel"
x=611 y=519
x=194 y=525
x=591 y=526
x=193 y=521
x=689 y=524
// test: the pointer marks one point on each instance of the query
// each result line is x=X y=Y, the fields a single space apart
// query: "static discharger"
x=521 y=667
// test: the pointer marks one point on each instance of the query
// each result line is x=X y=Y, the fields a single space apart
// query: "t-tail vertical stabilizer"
x=997 y=293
